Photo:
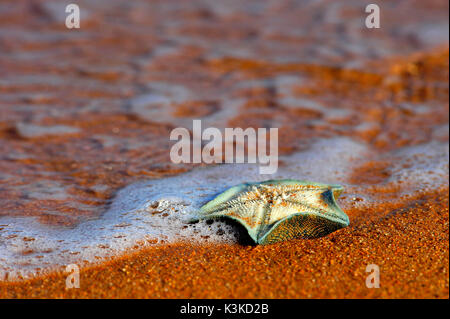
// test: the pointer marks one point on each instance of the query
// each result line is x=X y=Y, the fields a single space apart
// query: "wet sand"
x=410 y=245
x=78 y=122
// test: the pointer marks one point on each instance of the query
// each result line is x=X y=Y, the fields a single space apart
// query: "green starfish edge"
x=279 y=210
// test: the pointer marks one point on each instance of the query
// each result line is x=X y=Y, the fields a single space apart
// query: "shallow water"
x=85 y=115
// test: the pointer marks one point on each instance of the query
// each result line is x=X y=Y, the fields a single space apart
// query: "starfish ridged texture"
x=278 y=210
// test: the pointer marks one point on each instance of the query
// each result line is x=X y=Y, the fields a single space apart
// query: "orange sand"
x=410 y=245
x=91 y=79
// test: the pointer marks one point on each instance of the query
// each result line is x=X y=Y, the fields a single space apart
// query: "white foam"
x=422 y=167
x=28 y=130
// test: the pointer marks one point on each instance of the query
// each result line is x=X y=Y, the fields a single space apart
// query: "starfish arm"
x=249 y=214
x=223 y=198
x=298 y=226
x=326 y=206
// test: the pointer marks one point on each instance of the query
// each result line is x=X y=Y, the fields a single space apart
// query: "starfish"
x=278 y=210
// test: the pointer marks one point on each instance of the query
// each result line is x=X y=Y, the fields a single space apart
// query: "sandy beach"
x=410 y=245
x=85 y=120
